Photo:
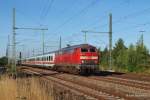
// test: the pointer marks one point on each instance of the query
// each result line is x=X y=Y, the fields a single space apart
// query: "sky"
x=68 y=18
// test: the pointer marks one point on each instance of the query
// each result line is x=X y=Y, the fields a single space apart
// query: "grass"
x=133 y=69
x=35 y=88
x=22 y=89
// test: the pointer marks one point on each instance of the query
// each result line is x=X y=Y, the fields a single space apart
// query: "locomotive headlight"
x=82 y=61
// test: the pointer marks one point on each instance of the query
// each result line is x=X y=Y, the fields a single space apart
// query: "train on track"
x=76 y=59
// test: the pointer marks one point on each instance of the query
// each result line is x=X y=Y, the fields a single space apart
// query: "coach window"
x=52 y=58
x=84 y=50
x=48 y=58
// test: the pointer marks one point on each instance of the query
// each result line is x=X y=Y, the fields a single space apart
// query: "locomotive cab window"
x=92 y=50
x=84 y=50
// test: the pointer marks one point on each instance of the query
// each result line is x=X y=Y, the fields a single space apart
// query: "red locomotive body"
x=77 y=59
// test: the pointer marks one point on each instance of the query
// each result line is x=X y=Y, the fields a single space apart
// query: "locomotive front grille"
x=88 y=62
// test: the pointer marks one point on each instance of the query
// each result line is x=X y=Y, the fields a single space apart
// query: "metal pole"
x=23 y=52
x=142 y=40
x=20 y=58
x=43 y=44
x=8 y=51
x=60 y=43
x=13 y=66
x=33 y=52
x=85 y=37
x=110 y=41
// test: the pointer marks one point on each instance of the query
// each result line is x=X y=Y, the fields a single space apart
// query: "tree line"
x=3 y=61
x=135 y=57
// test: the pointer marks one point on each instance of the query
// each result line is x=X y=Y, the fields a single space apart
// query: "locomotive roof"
x=76 y=46
x=65 y=49
x=71 y=47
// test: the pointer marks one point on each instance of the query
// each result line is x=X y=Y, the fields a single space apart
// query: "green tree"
x=3 y=61
x=132 y=56
x=120 y=54
x=104 y=57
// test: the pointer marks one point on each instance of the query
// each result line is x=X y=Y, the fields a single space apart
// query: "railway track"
x=87 y=91
x=132 y=76
x=111 y=88
x=124 y=81
x=123 y=91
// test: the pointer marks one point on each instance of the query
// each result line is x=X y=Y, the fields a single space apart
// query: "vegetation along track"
x=99 y=88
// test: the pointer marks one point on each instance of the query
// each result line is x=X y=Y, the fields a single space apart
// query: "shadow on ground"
x=104 y=73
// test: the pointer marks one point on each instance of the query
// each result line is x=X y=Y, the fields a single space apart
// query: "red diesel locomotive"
x=75 y=59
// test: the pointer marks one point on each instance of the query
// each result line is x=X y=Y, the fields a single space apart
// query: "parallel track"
x=112 y=88
x=87 y=91
x=124 y=81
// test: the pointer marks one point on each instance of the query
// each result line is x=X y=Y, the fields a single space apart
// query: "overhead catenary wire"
x=77 y=14
x=134 y=26
x=43 y=9
x=131 y=15
x=23 y=14
x=44 y=15
x=67 y=21
x=105 y=16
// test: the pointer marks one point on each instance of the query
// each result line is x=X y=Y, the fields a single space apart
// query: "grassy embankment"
x=129 y=69
x=22 y=89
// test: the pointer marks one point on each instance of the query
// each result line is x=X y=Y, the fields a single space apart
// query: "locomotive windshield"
x=92 y=50
x=88 y=50
x=84 y=50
